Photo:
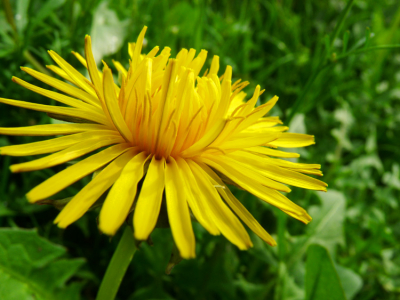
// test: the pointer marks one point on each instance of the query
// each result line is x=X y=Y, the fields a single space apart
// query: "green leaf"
x=390 y=278
x=326 y=227
x=291 y=290
x=6 y=212
x=351 y=281
x=33 y=268
x=255 y=291
x=322 y=281
x=346 y=36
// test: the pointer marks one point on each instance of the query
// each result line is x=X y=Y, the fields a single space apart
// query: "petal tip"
x=14 y=169
x=61 y=225
x=30 y=198
x=188 y=255
x=306 y=219
x=140 y=236
x=107 y=229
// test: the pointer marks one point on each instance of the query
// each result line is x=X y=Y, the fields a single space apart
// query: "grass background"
x=352 y=107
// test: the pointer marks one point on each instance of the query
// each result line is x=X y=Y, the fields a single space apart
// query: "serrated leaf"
x=32 y=268
x=322 y=281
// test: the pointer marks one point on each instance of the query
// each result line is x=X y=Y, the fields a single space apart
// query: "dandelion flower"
x=163 y=134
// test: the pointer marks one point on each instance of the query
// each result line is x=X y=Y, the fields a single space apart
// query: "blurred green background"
x=351 y=105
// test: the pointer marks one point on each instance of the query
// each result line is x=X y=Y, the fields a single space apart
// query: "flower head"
x=163 y=134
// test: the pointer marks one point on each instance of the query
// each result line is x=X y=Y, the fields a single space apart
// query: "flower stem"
x=282 y=218
x=117 y=267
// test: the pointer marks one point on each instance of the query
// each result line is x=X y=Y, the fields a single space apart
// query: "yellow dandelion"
x=163 y=134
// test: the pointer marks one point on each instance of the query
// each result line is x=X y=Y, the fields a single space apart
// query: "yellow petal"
x=238 y=207
x=75 y=172
x=93 y=190
x=289 y=164
x=226 y=221
x=58 y=97
x=92 y=68
x=198 y=62
x=68 y=154
x=97 y=77
x=120 y=198
x=205 y=140
x=252 y=102
x=252 y=174
x=308 y=171
x=77 y=77
x=251 y=141
x=164 y=108
x=149 y=203
x=64 y=87
x=264 y=193
x=113 y=107
x=293 y=140
x=272 y=152
x=80 y=58
x=53 y=129
x=193 y=195
x=138 y=48
x=52 y=145
x=178 y=211
x=278 y=173
x=65 y=111
x=214 y=66
x=120 y=68
x=256 y=114
x=60 y=72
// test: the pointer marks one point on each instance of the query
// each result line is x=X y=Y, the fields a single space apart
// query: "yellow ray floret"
x=164 y=136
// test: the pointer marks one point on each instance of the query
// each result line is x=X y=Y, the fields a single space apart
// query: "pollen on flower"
x=164 y=134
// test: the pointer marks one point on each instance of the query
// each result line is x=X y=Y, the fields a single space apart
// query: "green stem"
x=342 y=17
x=282 y=218
x=363 y=50
x=117 y=267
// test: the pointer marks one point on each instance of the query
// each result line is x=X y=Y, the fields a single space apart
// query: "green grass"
x=351 y=104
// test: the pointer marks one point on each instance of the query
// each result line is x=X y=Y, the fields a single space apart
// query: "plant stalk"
x=117 y=267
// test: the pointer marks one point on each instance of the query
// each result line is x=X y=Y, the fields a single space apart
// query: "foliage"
x=32 y=268
x=351 y=105
x=322 y=281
